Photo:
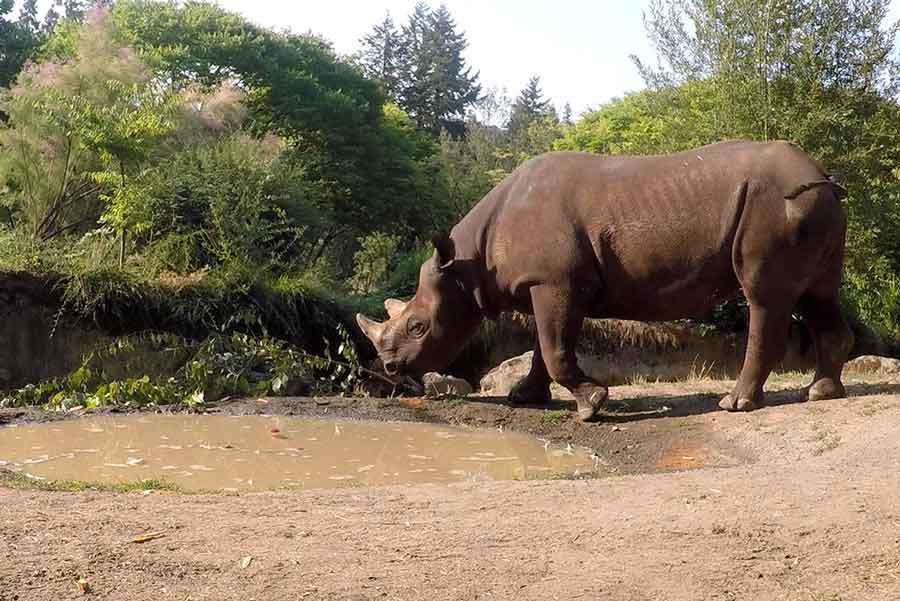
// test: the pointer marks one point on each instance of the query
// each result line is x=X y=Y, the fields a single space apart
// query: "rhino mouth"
x=393 y=368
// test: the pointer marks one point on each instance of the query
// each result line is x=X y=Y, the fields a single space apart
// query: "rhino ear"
x=446 y=250
x=394 y=307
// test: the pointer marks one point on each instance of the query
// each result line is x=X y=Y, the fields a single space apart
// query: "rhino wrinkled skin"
x=572 y=235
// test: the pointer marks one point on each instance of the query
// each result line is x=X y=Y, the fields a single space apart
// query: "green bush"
x=217 y=367
x=372 y=261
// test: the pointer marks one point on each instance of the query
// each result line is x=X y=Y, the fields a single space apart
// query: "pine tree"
x=436 y=85
x=73 y=10
x=381 y=54
x=566 y=118
x=529 y=106
x=28 y=17
x=453 y=86
x=414 y=64
x=51 y=18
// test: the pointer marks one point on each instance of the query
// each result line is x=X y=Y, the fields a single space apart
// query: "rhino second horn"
x=372 y=329
x=394 y=307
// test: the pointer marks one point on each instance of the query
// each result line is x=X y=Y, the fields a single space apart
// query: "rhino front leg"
x=534 y=388
x=559 y=325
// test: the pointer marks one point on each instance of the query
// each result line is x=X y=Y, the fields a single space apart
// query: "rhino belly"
x=659 y=276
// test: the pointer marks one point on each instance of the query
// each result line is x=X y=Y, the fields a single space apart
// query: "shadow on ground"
x=645 y=406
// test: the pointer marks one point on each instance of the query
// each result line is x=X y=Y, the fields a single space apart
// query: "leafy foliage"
x=219 y=366
x=372 y=261
x=77 y=130
x=359 y=161
x=19 y=39
x=478 y=161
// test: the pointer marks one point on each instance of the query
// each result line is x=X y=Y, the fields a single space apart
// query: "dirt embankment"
x=38 y=342
x=797 y=501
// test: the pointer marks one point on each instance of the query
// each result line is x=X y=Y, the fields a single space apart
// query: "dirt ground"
x=794 y=502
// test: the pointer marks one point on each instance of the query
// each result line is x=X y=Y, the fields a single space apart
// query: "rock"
x=500 y=380
x=873 y=364
x=437 y=385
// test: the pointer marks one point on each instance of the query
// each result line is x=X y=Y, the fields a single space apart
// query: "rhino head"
x=428 y=332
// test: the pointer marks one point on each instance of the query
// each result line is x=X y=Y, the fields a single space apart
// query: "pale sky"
x=579 y=48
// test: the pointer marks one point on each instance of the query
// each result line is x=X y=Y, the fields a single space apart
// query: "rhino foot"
x=729 y=403
x=527 y=392
x=825 y=389
x=590 y=401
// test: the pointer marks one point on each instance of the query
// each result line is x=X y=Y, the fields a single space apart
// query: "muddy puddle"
x=260 y=453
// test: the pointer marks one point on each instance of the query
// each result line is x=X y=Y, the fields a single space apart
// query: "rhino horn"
x=372 y=329
x=394 y=307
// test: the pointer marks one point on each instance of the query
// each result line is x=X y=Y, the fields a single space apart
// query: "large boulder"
x=873 y=364
x=500 y=380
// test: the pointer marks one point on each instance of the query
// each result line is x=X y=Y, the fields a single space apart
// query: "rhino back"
x=658 y=230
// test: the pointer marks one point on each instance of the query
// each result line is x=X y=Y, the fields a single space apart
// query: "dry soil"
x=795 y=502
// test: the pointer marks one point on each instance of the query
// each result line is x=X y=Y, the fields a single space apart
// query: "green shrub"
x=372 y=261
x=207 y=371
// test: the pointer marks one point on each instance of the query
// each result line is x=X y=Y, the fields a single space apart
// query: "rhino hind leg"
x=534 y=388
x=833 y=340
x=559 y=325
x=766 y=345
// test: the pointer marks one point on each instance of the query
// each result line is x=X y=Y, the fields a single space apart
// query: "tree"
x=347 y=144
x=77 y=130
x=18 y=40
x=28 y=17
x=74 y=10
x=757 y=52
x=436 y=85
x=474 y=164
x=566 y=118
x=529 y=106
x=414 y=65
x=381 y=52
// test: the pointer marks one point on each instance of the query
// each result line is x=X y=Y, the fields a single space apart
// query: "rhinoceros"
x=571 y=235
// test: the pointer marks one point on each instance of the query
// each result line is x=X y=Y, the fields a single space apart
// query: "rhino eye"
x=416 y=328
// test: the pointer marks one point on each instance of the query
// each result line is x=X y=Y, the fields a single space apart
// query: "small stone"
x=437 y=386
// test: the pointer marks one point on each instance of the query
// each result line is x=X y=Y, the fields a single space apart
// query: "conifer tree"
x=529 y=106
x=436 y=85
x=382 y=50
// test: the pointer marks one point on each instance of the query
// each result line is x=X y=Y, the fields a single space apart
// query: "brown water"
x=258 y=453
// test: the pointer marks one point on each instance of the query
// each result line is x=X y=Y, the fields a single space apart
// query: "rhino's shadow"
x=643 y=407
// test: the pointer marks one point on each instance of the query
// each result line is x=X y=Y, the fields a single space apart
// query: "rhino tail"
x=828 y=180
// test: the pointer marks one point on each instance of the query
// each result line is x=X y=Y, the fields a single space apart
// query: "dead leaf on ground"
x=145 y=538
x=413 y=403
